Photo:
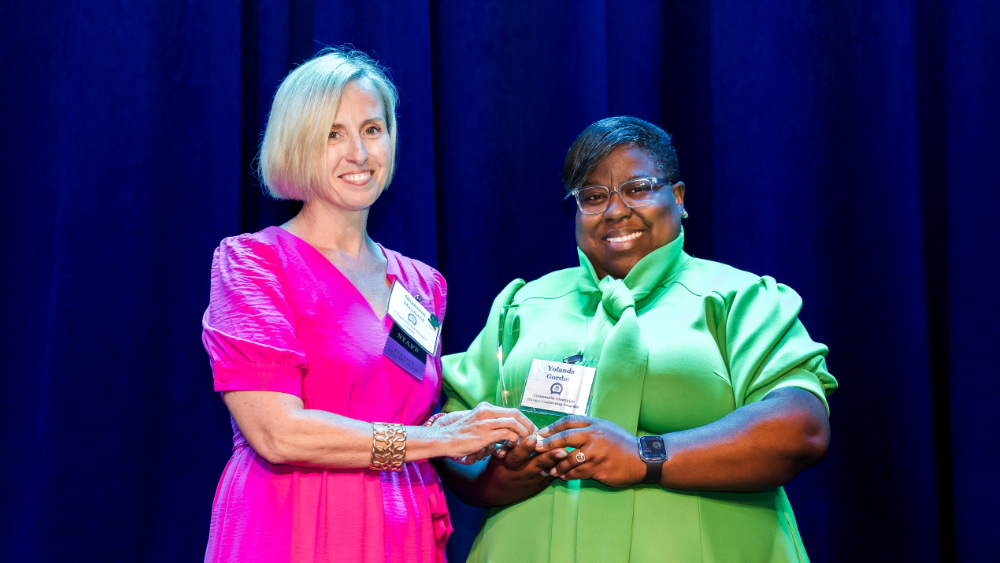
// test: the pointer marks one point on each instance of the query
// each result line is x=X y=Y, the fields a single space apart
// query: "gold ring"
x=580 y=457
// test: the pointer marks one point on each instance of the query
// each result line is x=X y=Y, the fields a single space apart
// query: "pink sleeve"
x=249 y=327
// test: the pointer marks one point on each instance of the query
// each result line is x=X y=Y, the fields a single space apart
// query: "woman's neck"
x=332 y=230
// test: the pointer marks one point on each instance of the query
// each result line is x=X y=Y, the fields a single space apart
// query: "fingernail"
x=501 y=453
x=561 y=454
x=530 y=439
x=563 y=477
x=544 y=473
x=553 y=473
x=543 y=431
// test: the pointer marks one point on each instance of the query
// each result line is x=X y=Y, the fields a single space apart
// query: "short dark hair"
x=599 y=139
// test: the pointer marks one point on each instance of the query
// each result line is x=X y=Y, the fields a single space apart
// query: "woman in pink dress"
x=330 y=447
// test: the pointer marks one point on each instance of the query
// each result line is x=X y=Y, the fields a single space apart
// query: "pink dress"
x=283 y=318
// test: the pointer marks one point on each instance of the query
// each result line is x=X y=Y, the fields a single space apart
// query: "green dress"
x=679 y=343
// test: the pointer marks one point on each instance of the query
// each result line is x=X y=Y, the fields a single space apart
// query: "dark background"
x=845 y=148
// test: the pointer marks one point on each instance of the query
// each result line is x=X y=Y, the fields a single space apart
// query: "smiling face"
x=358 y=149
x=617 y=239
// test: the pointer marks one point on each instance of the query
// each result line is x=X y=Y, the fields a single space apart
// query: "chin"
x=623 y=266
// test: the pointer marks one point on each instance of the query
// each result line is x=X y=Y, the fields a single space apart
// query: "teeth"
x=357 y=177
x=634 y=235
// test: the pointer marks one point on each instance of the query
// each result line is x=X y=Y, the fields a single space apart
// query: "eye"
x=334 y=135
x=592 y=195
x=637 y=188
x=373 y=130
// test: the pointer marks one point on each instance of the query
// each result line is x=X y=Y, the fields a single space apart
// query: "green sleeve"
x=471 y=377
x=768 y=348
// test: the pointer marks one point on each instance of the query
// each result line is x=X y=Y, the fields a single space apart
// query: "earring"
x=684 y=214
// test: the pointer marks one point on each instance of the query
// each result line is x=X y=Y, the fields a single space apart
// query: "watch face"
x=652 y=448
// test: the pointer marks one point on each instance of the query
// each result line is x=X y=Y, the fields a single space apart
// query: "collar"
x=658 y=266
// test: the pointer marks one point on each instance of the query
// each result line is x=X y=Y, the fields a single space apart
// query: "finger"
x=485 y=411
x=565 y=423
x=509 y=417
x=513 y=424
x=573 y=438
x=576 y=458
x=565 y=465
x=501 y=434
x=585 y=471
x=520 y=453
x=525 y=421
x=500 y=412
x=546 y=461
x=486 y=452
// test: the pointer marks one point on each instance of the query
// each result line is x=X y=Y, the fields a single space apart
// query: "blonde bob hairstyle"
x=292 y=160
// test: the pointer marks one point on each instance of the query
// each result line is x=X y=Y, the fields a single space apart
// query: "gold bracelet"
x=388 y=447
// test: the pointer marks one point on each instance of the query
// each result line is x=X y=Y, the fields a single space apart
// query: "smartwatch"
x=653 y=452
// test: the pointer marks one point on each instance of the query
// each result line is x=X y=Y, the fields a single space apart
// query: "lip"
x=623 y=238
x=358 y=178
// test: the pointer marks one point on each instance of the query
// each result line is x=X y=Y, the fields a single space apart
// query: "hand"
x=472 y=434
x=518 y=474
x=446 y=419
x=611 y=453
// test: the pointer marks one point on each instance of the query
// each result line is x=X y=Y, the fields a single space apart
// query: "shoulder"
x=552 y=285
x=739 y=290
x=249 y=253
x=703 y=277
x=260 y=248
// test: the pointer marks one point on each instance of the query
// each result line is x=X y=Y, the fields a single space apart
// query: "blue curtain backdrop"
x=848 y=149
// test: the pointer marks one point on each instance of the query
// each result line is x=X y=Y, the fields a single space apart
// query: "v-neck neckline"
x=390 y=277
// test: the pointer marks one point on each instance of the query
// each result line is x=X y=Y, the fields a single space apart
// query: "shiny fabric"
x=282 y=318
x=679 y=343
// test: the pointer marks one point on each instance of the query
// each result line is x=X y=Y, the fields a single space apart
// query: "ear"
x=679 y=195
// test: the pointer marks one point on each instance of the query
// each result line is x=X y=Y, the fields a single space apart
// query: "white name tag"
x=558 y=387
x=423 y=327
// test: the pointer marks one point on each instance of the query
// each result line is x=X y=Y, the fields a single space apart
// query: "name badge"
x=405 y=353
x=423 y=327
x=558 y=387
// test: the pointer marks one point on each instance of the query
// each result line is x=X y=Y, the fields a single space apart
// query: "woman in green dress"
x=695 y=358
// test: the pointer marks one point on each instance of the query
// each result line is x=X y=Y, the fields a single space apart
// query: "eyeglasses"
x=635 y=193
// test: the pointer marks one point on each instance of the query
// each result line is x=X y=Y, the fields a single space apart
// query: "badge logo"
x=556 y=389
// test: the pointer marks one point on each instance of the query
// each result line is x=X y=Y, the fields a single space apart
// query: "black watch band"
x=654 y=470
x=652 y=452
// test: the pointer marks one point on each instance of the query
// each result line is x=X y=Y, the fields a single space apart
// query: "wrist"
x=430 y=421
x=425 y=442
x=653 y=454
x=388 y=447
x=638 y=469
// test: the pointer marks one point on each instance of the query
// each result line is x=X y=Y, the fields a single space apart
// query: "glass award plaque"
x=543 y=367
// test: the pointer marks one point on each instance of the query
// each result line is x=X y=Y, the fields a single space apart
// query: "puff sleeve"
x=768 y=348
x=249 y=327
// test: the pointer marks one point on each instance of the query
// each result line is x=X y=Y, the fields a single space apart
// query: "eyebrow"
x=380 y=120
x=629 y=179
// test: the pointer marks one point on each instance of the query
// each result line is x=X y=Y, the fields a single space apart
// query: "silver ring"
x=580 y=456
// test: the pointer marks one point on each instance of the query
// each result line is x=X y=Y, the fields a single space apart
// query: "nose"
x=617 y=209
x=356 y=153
